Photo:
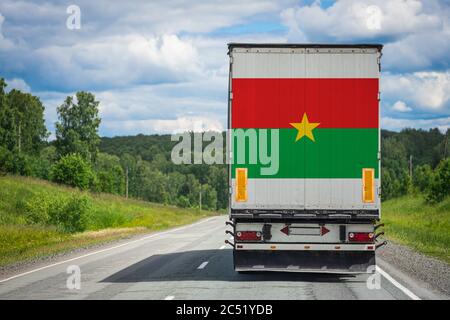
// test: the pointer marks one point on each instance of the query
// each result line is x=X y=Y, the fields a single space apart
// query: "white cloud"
x=396 y=124
x=428 y=91
x=5 y=43
x=416 y=33
x=179 y=125
x=419 y=51
x=118 y=61
x=18 y=84
x=400 y=106
x=351 y=19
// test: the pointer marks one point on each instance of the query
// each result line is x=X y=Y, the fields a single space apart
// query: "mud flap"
x=304 y=261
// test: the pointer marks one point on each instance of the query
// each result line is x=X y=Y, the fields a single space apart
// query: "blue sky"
x=161 y=66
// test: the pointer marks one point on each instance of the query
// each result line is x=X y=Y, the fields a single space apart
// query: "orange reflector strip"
x=273 y=247
x=241 y=185
x=307 y=247
x=368 y=185
x=337 y=247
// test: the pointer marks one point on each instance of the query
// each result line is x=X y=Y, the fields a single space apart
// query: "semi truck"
x=304 y=157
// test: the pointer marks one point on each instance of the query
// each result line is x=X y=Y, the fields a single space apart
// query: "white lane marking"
x=203 y=265
x=169 y=298
x=222 y=247
x=104 y=250
x=397 y=284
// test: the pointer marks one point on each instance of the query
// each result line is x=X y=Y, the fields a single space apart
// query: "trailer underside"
x=305 y=261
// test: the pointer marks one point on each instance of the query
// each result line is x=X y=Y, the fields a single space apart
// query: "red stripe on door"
x=334 y=103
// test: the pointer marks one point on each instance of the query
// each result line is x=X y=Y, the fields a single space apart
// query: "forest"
x=413 y=160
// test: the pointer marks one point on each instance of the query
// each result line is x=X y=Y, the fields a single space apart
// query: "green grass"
x=425 y=228
x=110 y=217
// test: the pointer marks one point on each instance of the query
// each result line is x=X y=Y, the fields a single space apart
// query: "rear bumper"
x=304 y=261
x=269 y=246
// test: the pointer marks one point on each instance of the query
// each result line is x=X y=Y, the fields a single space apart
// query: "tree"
x=7 y=128
x=175 y=182
x=209 y=197
x=73 y=170
x=191 y=189
x=110 y=175
x=28 y=122
x=77 y=128
x=154 y=183
x=395 y=181
x=440 y=185
x=22 y=124
x=218 y=179
x=14 y=162
x=422 y=177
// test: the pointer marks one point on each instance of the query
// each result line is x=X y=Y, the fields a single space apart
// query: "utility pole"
x=200 y=200
x=446 y=143
x=20 y=137
x=126 y=182
x=410 y=165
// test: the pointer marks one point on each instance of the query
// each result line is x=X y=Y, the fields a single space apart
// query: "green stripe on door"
x=336 y=153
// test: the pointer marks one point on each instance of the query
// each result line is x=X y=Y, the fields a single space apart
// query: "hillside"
x=39 y=218
x=412 y=222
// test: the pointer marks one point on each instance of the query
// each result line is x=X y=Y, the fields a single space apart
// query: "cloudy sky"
x=162 y=66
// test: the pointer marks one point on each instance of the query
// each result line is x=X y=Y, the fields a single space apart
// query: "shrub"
x=5 y=160
x=38 y=209
x=40 y=168
x=14 y=162
x=41 y=165
x=440 y=184
x=423 y=176
x=73 y=170
x=70 y=214
x=183 y=202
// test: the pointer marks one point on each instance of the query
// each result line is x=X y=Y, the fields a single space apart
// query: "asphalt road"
x=190 y=262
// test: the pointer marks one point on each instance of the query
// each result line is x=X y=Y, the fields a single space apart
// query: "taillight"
x=248 y=235
x=360 y=236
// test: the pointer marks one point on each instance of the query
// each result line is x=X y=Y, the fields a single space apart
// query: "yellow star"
x=304 y=128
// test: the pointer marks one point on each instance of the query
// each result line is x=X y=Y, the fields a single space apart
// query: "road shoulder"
x=431 y=276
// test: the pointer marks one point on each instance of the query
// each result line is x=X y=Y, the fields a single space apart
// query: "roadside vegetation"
x=412 y=221
x=40 y=218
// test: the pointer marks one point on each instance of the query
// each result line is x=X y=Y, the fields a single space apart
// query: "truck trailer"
x=304 y=172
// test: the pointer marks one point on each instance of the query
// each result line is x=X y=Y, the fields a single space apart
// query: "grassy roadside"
x=109 y=217
x=423 y=227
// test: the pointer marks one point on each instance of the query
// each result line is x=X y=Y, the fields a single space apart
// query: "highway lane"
x=190 y=262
